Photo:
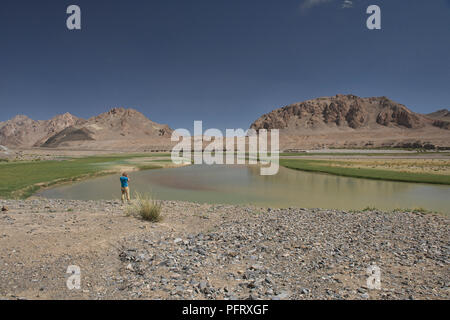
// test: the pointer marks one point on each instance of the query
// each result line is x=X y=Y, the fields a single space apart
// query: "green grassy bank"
x=325 y=166
x=23 y=178
x=360 y=154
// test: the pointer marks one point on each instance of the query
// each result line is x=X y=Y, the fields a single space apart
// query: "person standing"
x=124 y=182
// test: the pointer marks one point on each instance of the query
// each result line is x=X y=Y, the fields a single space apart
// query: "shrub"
x=368 y=208
x=145 y=207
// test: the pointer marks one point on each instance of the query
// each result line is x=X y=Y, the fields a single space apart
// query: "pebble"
x=277 y=254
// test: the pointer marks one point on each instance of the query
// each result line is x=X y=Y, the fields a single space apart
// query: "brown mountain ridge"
x=341 y=121
x=115 y=128
x=351 y=121
x=443 y=114
x=25 y=132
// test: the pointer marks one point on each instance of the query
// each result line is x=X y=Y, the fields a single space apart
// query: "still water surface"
x=245 y=185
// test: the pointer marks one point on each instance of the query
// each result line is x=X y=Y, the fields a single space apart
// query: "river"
x=244 y=185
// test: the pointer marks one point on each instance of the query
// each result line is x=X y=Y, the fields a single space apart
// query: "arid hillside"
x=342 y=121
x=351 y=121
x=443 y=114
x=441 y=118
x=117 y=128
x=25 y=132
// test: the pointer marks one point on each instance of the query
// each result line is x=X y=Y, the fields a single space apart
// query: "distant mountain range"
x=339 y=121
x=346 y=112
x=117 y=127
x=351 y=121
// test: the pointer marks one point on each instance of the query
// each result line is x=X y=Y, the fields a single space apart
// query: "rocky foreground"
x=219 y=252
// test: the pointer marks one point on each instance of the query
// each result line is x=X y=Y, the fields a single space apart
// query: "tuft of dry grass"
x=358 y=170
x=145 y=207
x=433 y=166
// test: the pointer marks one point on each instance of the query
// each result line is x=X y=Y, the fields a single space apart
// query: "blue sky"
x=225 y=62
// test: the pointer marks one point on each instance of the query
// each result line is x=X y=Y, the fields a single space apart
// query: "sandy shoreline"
x=219 y=252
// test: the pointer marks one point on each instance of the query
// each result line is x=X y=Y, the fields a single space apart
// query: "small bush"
x=368 y=209
x=145 y=207
x=421 y=210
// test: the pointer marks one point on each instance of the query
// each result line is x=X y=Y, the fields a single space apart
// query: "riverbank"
x=21 y=179
x=434 y=171
x=219 y=252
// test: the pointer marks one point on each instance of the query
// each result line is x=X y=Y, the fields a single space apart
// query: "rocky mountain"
x=443 y=114
x=116 y=128
x=25 y=132
x=351 y=121
x=441 y=118
x=341 y=112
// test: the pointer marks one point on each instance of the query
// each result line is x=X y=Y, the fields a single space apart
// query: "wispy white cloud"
x=308 y=4
x=347 y=4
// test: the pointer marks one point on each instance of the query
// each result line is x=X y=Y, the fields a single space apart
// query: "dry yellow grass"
x=433 y=166
x=145 y=207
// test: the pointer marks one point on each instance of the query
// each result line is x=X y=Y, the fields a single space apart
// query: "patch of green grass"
x=145 y=207
x=163 y=160
x=148 y=167
x=324 y=166
x=22 y=179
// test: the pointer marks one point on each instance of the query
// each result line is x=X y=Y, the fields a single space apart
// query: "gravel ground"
x=202 y=251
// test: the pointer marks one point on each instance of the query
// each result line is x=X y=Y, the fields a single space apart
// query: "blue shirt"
x=124 y=181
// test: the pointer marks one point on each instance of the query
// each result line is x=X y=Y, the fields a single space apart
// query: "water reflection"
x=242 y=184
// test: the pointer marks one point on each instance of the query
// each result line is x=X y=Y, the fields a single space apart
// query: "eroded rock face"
x=355 y=116
x=441 y=119
x=335 y=112
x=393 y=113
x=442 y=124
x=341 y=111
